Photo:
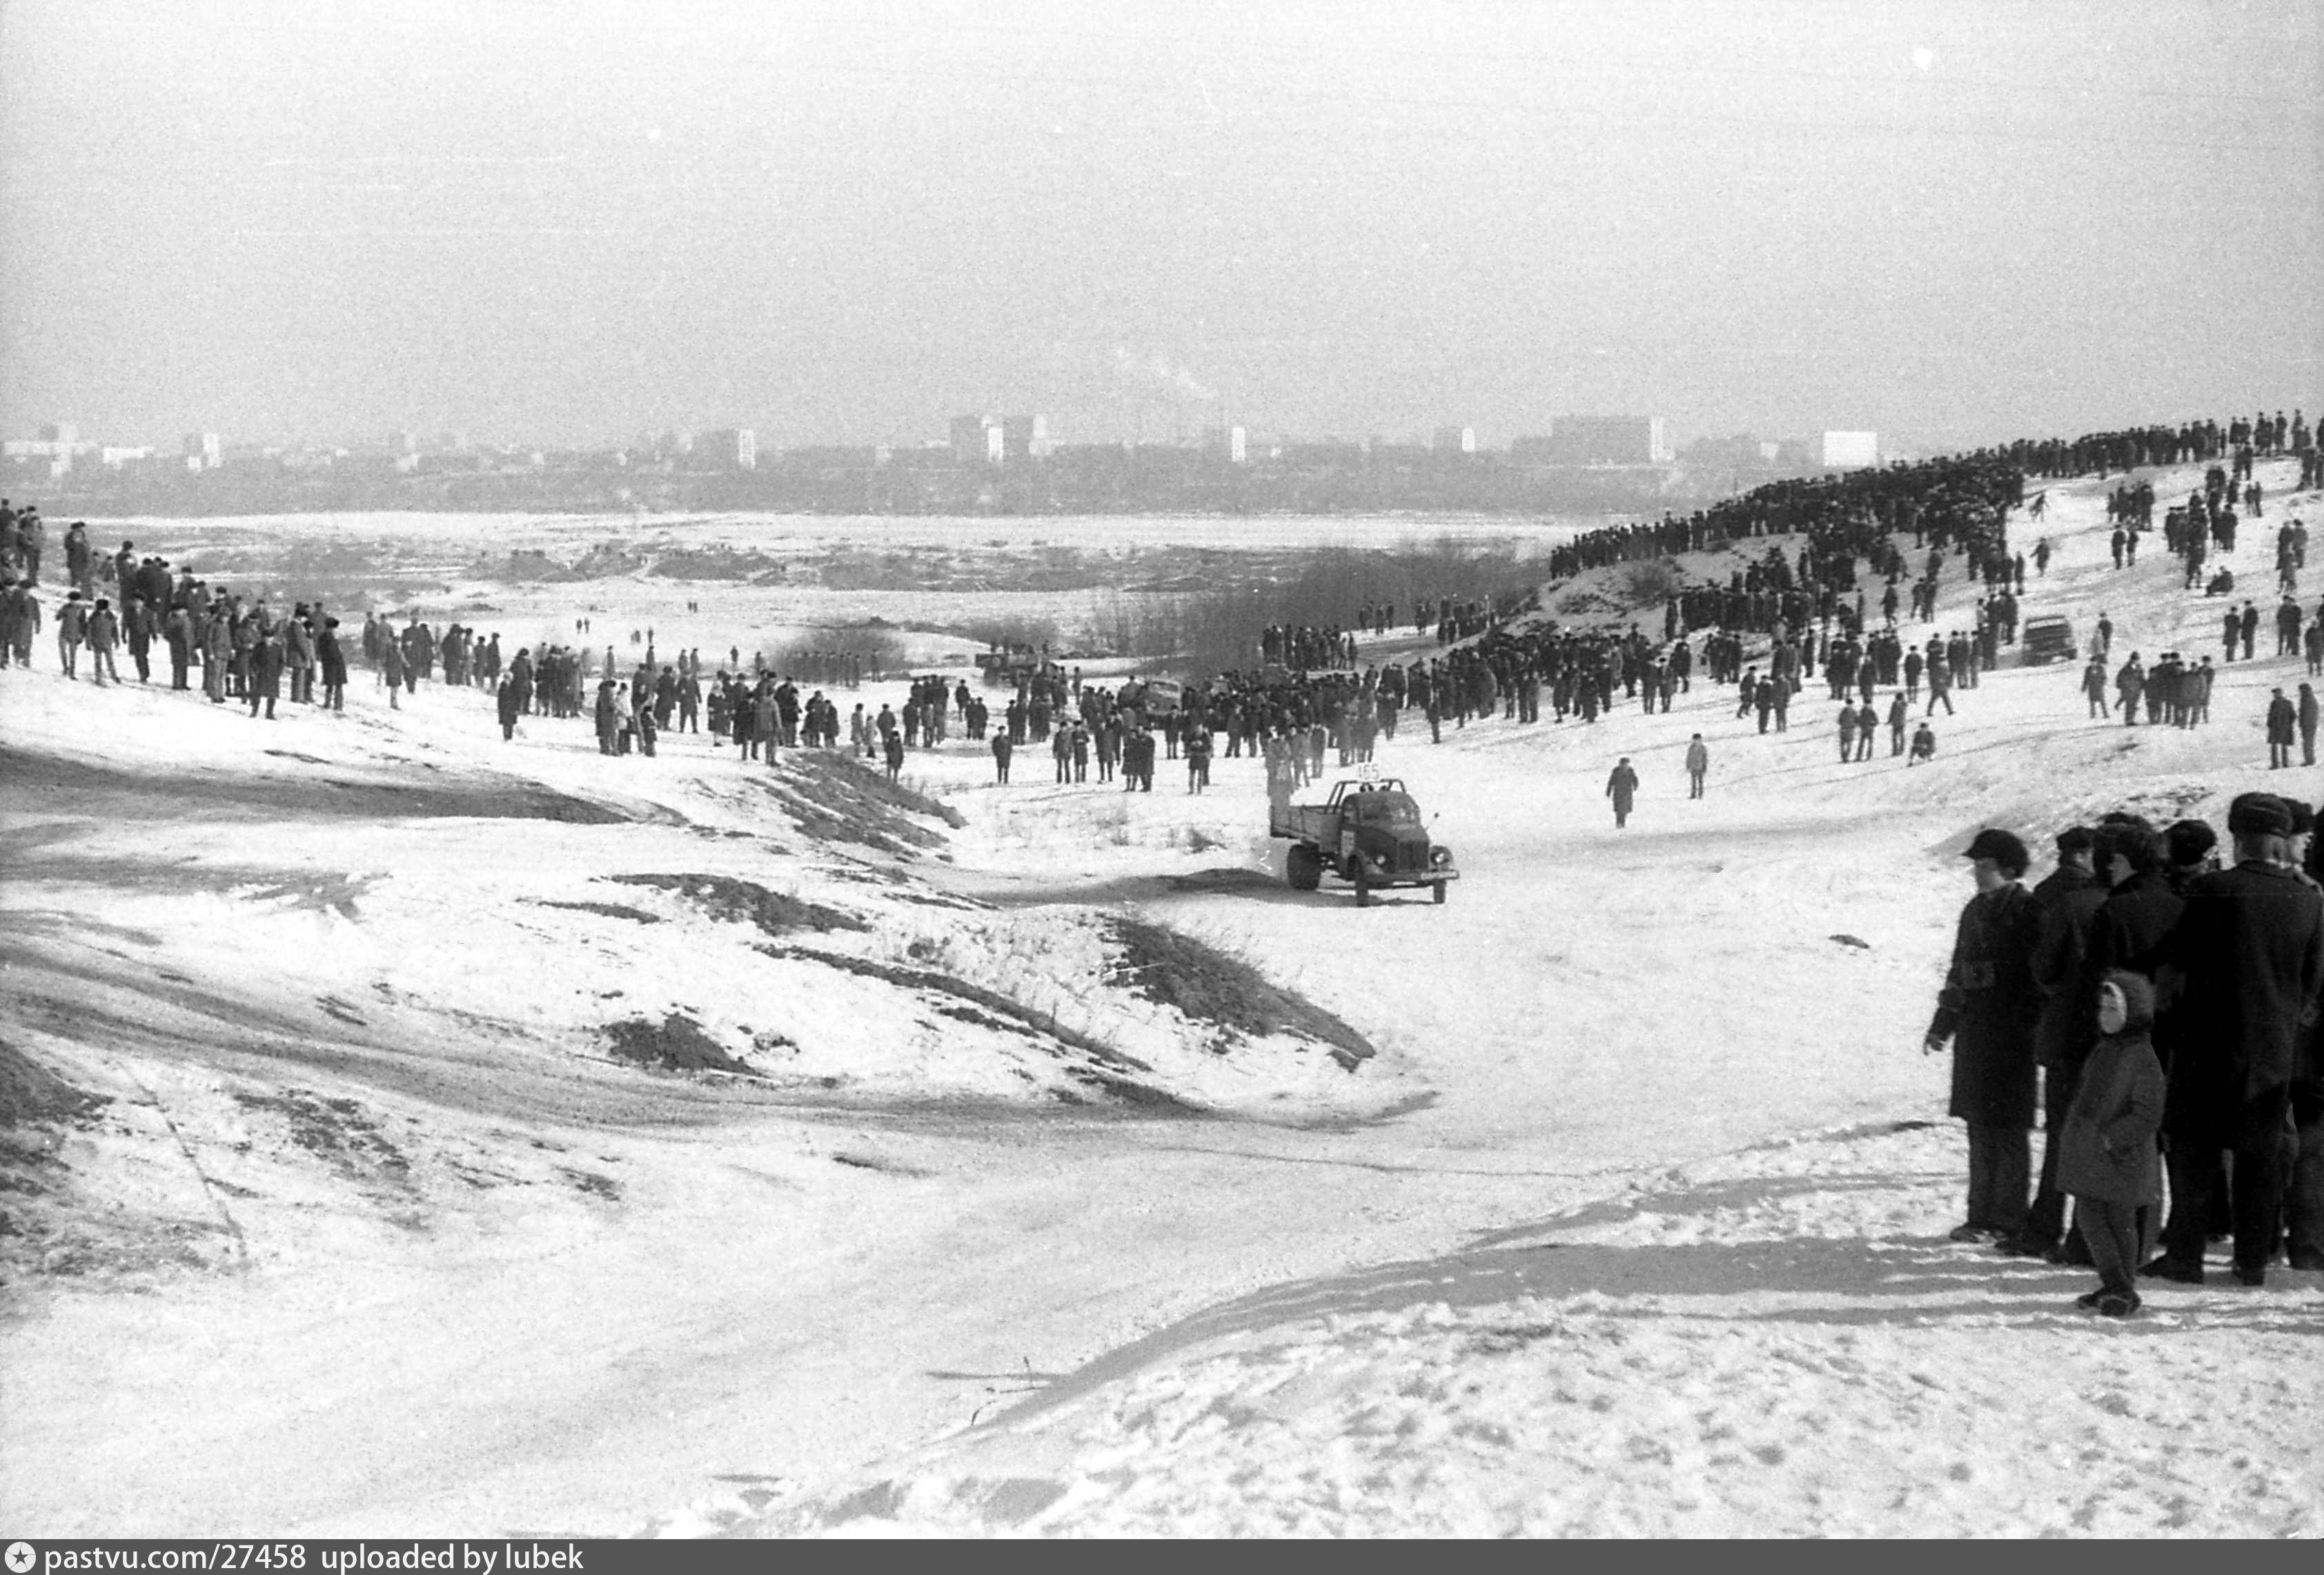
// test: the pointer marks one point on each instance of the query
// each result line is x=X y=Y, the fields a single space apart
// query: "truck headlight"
x=1440 y=856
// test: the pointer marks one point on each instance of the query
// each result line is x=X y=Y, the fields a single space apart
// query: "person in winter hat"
x=2109 y=1162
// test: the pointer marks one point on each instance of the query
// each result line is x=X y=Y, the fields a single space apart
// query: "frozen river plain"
x=1633 y=1222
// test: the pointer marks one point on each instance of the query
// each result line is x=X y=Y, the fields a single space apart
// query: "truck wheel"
x=1440 y=885
x=1302 y=866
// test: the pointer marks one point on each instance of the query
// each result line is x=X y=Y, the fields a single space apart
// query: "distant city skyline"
x=1952 y=221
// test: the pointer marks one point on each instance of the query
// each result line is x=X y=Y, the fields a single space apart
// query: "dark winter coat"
x=2250 y=945
x=266 y=669
x=2106 y=1151
x=2129 y=926
x=2282 y=719
x=1988 y=1007
x=2068 y=901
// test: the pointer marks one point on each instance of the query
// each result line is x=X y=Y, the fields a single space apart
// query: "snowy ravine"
x=1632 y=1221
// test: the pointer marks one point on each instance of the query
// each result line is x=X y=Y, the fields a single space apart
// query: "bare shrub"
x=837 y=655
x=1651 y=583
x=1012 y=629
x=1212 y=630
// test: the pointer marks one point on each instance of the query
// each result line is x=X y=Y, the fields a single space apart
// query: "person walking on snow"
x=1698 y=765
x=1622 y=787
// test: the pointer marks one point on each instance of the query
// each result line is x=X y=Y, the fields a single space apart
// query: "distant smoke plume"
x=1157 y=373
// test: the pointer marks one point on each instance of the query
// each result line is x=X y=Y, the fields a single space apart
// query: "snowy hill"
x=516 y=1139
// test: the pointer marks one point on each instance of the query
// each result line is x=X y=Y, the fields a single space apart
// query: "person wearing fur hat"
x=72 y=632
x=1988 y=1010
x=2250 y=946
x=2107 y=1161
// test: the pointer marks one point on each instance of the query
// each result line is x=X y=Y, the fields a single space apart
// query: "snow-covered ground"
x=1632 y=1220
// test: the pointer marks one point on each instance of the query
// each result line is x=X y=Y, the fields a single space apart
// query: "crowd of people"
x=1829 y=599
x=2159 y=1005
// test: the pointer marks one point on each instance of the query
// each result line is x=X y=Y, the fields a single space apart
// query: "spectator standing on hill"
x=266 y=660
x=1622 y=787
x=104 y=635
x=1002 y=750
x=2130 y=684
x=2310 y=715
x=2250 y=946
x=1940 y=684
x=331 y=661
x=79 y=560
x=72 y=632
x=2066 y=901
x=511 y=706
x=1698 y=765
x=609 y=718
x=1986 y=1010
x=2094 y=687
x=2282 y=722
x=1198 y=755
x=2109 y=1162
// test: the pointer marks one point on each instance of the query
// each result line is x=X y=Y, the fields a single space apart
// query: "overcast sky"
x=578 y=220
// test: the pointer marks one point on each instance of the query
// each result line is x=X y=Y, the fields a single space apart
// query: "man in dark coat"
x=511 y=702
x=1987 y=1008
x=333 y=663
x=2068 y=900
x=1622 y=787
x=2282 y=719
x=2250 y=948
x=2303 y=1210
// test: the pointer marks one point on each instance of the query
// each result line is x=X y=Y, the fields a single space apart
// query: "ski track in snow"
x=1557 y=1260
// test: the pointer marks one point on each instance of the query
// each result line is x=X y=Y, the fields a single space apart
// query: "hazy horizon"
x=571 y=223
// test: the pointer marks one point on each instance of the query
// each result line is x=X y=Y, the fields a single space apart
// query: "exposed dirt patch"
x=86 y=789
x=717 y=563
x=1103 y=1068
x=30 y=1093
x=531 y=566
x=1208 y=986
x=676 y=1043
x=833 y=798
x=723 y=896
x=591 y=1183
x=603 y=910
x=336 y=1130
x=40 y=1223
x=1024 y=1018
